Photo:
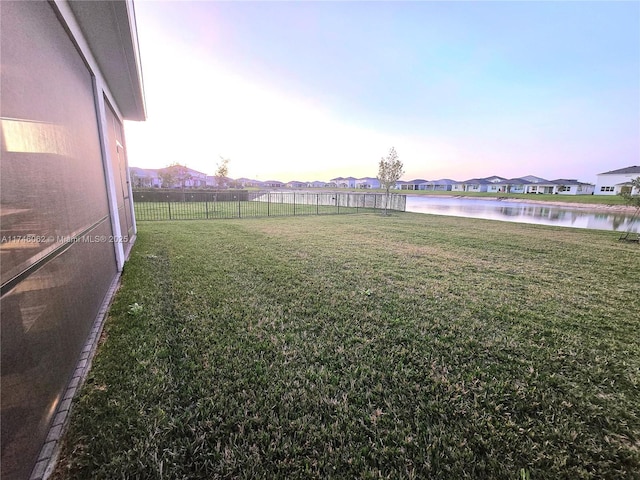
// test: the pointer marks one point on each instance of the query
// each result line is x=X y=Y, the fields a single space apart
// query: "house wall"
x=120 y=170
x=58 y=179
x=576 y=190
x=606 y=184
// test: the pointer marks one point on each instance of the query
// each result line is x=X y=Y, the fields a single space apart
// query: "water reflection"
x=525 y=213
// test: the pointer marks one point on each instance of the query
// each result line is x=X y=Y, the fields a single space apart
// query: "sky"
x=314 y=90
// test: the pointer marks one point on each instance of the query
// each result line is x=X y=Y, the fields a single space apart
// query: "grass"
x=411 y=346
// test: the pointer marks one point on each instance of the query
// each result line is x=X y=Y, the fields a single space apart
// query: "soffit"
x=109 y=28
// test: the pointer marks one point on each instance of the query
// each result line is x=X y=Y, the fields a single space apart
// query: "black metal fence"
x=186 y=205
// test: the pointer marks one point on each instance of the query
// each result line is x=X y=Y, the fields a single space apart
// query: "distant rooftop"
x=622 y=171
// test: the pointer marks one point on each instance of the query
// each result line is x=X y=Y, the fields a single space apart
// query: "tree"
x=167 y=177
x=175 y=174
x=136 y=181
x=627 y=194
x=633 y=200
x=390 y=169
x=222 y=170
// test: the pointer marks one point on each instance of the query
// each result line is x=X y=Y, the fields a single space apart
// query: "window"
x=606 y=189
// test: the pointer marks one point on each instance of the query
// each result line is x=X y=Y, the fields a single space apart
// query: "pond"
x=513 y=211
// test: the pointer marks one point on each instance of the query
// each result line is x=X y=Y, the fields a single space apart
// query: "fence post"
x=206 y=206
x=169 y=205
x=239 y=215
x=317 y=204
x=268 y=204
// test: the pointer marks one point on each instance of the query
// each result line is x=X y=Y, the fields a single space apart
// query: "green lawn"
x=410 y=346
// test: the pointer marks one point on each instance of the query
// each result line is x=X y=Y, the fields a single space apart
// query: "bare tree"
x=390 y=169
x=222 y=170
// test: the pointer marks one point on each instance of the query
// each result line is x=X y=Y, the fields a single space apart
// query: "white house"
x=367 y=182
x=273 y=184
x=244 y=182
x=182 y=176
x=412 y=184
x=538 y=185
x=344 y=182
x=513 y=185
x=297 y=184
x=476 y=184
x=566 y=186
x=617 y=181
x=144 y=177
x=443 y=184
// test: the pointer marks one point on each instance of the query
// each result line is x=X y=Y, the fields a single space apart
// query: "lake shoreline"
x=571 y=205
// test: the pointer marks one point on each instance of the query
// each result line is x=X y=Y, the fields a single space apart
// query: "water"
x=510 y=211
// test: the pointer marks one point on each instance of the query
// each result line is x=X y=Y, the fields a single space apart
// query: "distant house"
x=180 y=176
x=412 y=184
x=367 y=182
x=573 y=187
x=344 y=182
x=513 y=185
x=534 y=185
x=296 y=184
x=144 y=177
x=317 y=184
x=444 y=184
x=476 y=184
x=273 y=184
x=248 y=182
x=617 y=181
x=538 y=185
x=214 y=182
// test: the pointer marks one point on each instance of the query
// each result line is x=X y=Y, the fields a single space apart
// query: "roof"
x=493 y=179
x=569 y=181
x=621 y=171
x=111 y=33
x=478 y=181
x=144 y=172
x=417 y=181
x=513 y=181
x=534 y=179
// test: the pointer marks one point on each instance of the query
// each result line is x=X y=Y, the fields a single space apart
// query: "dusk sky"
x=314 y=90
